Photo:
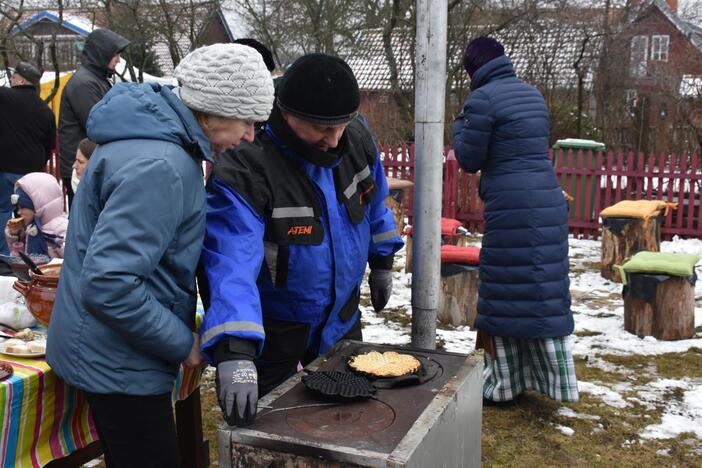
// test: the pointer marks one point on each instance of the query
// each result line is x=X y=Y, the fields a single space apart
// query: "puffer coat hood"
x=47 y=197
x=100 y=46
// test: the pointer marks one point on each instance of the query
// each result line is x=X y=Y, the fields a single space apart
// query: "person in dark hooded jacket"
x=87 y=86
x=524 y=318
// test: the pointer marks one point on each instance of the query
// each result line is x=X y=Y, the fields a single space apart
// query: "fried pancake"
x=387 y=364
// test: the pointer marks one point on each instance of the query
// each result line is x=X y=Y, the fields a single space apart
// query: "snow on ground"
x=599 y=317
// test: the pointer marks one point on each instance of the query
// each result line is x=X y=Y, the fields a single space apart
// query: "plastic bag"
x=16 y=316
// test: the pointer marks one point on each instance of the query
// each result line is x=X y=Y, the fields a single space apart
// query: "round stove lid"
x=342 y=421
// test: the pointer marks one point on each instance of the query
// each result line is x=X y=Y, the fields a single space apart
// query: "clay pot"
x=40 y=291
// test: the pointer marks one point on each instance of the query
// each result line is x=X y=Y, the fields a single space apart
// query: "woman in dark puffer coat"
x=524 y=318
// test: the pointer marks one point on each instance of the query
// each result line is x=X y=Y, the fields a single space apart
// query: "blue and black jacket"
x=290 y=229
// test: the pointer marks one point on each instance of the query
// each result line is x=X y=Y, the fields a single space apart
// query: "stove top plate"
x=377 y=424
x=343 y=421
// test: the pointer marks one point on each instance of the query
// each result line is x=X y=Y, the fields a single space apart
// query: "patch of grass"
x=668 y=365
x=397 y=315
x=524 y=435
x=605 y=315
x=592 y=266
x=588 y=373
x=587 y=333
x=444 y=326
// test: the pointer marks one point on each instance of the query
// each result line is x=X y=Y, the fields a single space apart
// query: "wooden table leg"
x=194 y=450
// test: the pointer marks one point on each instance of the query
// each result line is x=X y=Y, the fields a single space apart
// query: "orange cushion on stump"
x=462 y=255
x=449 y=227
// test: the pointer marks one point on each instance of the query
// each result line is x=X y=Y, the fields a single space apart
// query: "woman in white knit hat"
x=124 y=315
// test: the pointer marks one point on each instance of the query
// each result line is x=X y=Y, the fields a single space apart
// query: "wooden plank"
x=695 y=197
x=681 y=179
x=609 y=164
x=671 y=189
x=649 y=176
x=618 y=179
x=589 y=183
x=598 y=195
x=578 y=162
x=629 y=193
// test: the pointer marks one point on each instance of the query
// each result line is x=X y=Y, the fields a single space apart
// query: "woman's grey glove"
x=380 y=282
x=237 y=391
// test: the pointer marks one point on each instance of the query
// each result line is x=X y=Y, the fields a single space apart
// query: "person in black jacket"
x=86 y=87
x=27 y=134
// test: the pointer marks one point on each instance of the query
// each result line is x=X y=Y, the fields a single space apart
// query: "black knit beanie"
x=320 y=89
x=479 y=52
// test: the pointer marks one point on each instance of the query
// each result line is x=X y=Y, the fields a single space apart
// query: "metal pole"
x=429 y=94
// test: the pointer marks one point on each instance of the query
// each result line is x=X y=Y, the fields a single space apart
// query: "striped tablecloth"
x=42 y=418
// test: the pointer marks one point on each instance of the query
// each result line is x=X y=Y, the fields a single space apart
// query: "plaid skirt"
x=514 y=365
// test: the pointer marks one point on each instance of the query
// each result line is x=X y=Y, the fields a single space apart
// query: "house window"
x=639 y=56
x=659 y=48
x=630 y=98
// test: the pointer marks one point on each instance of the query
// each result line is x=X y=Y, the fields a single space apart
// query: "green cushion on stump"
x=674 y=264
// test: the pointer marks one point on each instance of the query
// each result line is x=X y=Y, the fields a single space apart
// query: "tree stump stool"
x=622 y=238
x=458 y=298
x=397 y=200
x=661 y=306
x=630 y=226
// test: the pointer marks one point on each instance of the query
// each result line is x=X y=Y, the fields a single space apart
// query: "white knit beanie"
x=228 y=80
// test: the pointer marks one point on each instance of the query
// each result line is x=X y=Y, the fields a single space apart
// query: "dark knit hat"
x=261 y=49
x=21 y=198
x=479 y=52
x=320 y=89
x=29 y=72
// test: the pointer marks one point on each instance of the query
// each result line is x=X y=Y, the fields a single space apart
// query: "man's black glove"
x=380 y=282
x=237 y=391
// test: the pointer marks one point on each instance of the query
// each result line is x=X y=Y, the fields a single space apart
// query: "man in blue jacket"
x=292 y=221
x=524 y=315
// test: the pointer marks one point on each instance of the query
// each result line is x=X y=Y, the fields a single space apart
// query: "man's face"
x=324 y=137
x=226 y=133
x=17 y=80
x=114 y=61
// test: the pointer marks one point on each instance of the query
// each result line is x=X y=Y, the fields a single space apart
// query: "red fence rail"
x=594 y=180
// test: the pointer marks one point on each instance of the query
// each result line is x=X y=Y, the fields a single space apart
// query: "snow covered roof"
x=690 y=31
x=75 y=23
x=370 y=65
x=543 y=53
x=206 y=11
x=691 y=86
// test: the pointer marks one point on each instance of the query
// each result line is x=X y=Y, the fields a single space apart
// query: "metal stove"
x=436 y=423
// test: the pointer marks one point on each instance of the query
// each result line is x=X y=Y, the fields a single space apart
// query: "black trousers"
x=290 y=345
x=69 y=190
x=135 y=431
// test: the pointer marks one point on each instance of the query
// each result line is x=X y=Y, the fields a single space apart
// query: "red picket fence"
x=594 y=180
